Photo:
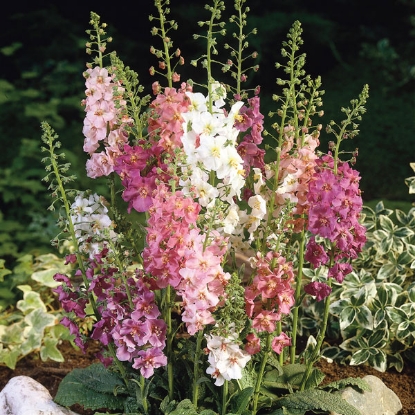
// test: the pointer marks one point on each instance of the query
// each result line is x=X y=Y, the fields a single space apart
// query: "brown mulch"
x=50 y=373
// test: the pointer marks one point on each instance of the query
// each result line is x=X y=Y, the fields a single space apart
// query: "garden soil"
x=50 y=373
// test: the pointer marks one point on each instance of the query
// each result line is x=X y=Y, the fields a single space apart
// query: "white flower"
x=197 y=102
x=210 y=151
x=258 y=205
x=226 y=359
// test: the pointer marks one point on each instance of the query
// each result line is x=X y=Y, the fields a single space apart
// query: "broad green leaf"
x=396 y=315
x=92 y=387
x=403 y=232
x=359 y=357
x=405 y=329
x=405 y=258
x=12 y=334
x=382 y=295
x=337 y=307
x=387 y=271
x=396 y=361
x=350 y=344
x=32 y=342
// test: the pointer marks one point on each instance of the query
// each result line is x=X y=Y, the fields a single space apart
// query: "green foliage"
x=374 y=308
x=94 y=387
x=28 y=322
x=314 y=399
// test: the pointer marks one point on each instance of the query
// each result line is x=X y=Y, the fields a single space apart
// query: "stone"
x=380 y=400
x=24 y=396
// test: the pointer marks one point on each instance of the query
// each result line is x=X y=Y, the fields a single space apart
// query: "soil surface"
x=50 y=373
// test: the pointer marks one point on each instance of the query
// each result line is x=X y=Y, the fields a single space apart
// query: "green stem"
x=225 y=389
x=297 y=296
x=167 y=319
x=196 y=367
x=165 y=44
x=320 y=339
x=143 y=397
x=260 y=375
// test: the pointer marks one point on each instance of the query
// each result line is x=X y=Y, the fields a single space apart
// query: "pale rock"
x=24 y=396
x=380 y=400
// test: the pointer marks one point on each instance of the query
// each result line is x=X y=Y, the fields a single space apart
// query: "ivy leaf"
x=31 y=301
x=50 y=351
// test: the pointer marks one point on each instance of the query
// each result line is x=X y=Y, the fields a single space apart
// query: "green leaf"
x=403 y=232
x=364 y=317
x=50 y=351
x=31 y=301
x=38 y=320
x=347 y=317
x=92 y=387
x=242 y=400
x=359 y=298
x=9 y=356
x=379 y=317
x=411 y=292
x=379 y=361
x=344 y=383
x=386 y=223
x=359 y=357
x=48 y=265
x=314 y=399
x=386 y=271
x=3 y=271
x=378 y=339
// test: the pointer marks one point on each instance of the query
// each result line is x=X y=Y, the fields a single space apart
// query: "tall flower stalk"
x=213 y=289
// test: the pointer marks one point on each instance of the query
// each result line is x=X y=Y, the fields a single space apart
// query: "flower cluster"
x=335 y=203
x=226 y=360
x=178 y=254
x=103 y=121
x=219 y=272
x=91 y=222
x=271 y=294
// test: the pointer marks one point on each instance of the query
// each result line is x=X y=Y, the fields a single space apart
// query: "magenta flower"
x=339 y=271
x=148 y=360
x=318 y=289
x=315 y=253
